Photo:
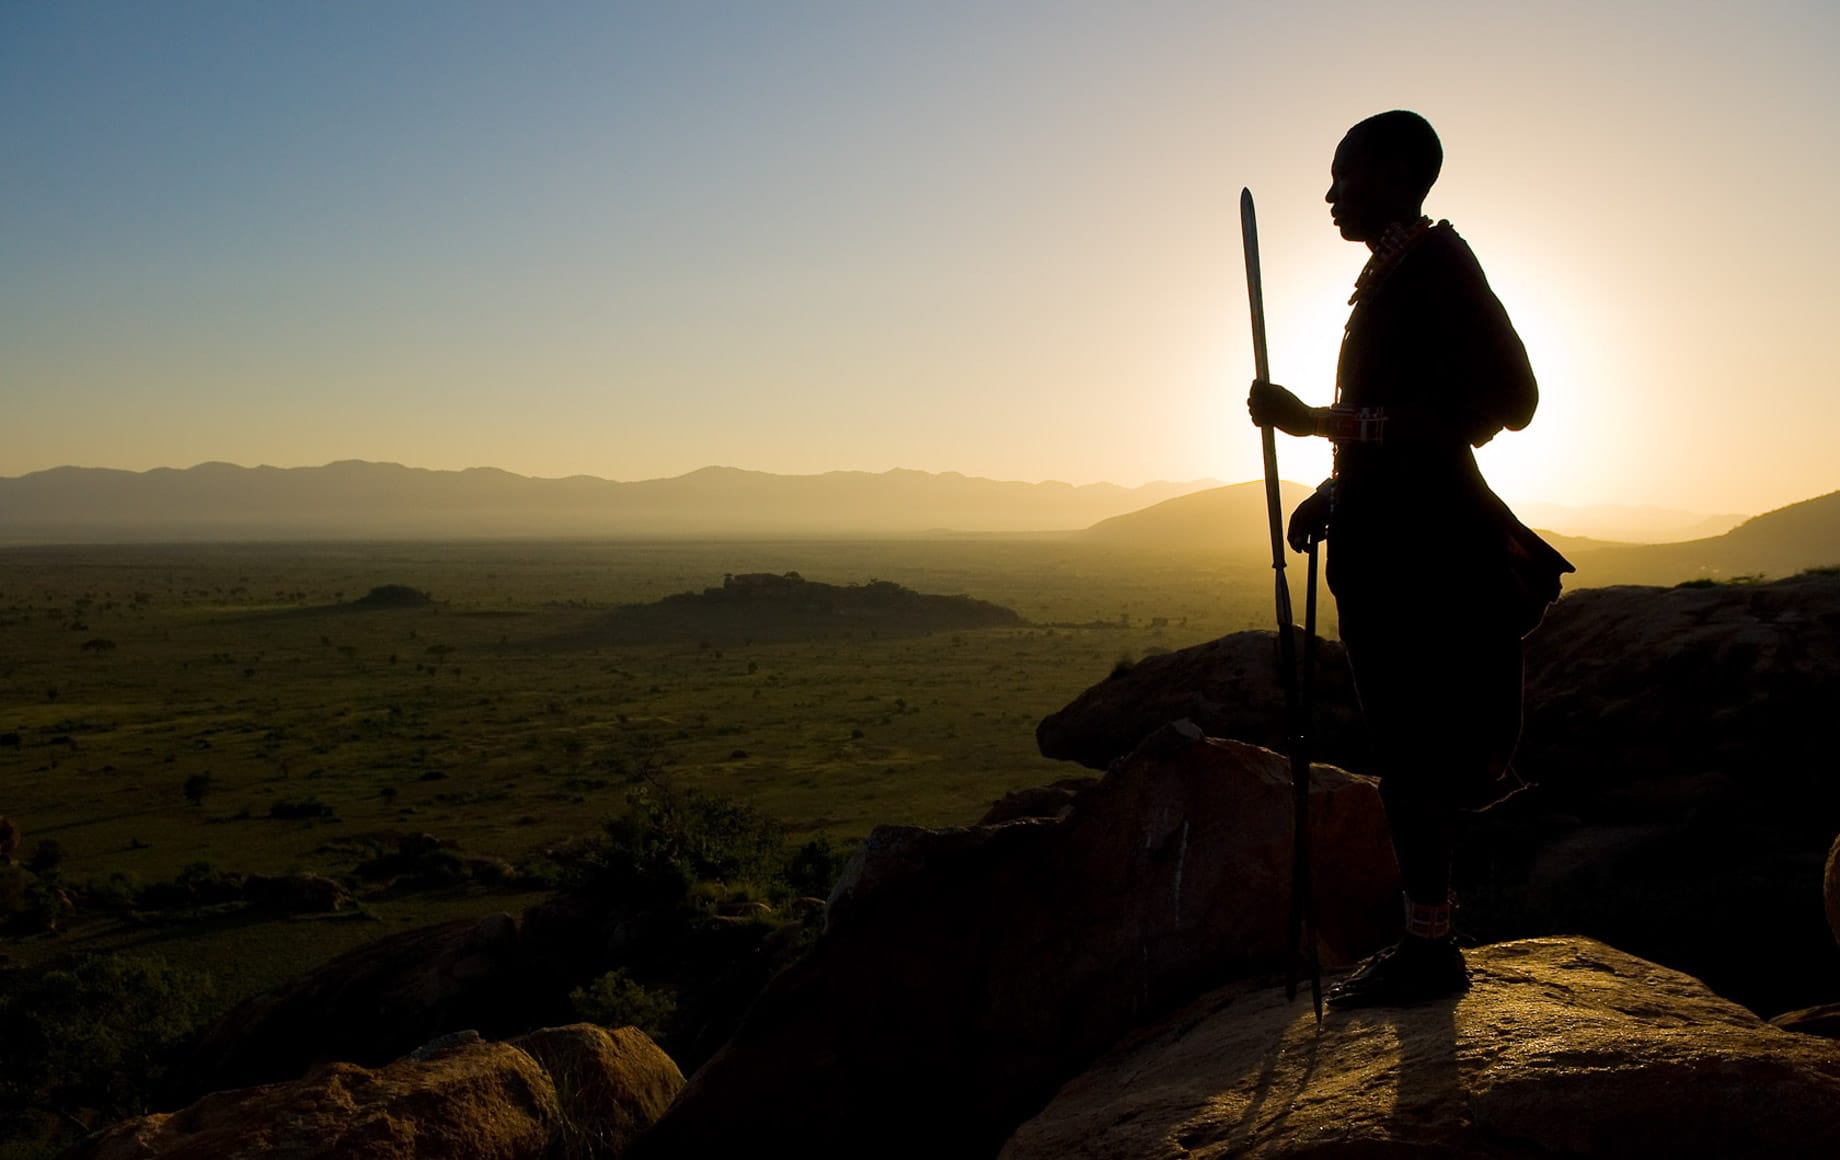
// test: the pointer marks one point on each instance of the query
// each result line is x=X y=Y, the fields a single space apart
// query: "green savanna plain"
x=495 y=718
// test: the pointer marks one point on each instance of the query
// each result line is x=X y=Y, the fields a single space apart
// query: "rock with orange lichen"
x=1563 y=1046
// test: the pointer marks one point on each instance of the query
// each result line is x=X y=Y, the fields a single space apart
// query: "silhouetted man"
x=1435 y=581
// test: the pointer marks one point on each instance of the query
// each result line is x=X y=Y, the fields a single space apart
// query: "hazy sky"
x=999 y=238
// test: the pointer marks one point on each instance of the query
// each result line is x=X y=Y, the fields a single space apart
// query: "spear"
x=1302 y=926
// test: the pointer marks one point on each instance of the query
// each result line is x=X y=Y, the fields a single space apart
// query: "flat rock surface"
x=1563 y=1046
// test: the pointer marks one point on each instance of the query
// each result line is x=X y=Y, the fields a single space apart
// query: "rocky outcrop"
x=1564 y=1046
x=1685 y=797
x=963 y=974
x=1227 y=687
x=567 y=1092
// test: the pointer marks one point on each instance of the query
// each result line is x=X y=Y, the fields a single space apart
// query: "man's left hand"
x=1272 y=405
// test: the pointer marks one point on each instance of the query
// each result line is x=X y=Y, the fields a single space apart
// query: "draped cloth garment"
x=1435 y=580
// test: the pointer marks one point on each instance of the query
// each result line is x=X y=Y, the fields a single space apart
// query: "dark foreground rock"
x=1830 y=888
x=964 y=974
x=564 y=1093
x=1564 y=1047
x=374 y=1003
x=1676 y=737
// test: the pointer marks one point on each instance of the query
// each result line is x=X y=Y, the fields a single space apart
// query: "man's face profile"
x=1365 y=193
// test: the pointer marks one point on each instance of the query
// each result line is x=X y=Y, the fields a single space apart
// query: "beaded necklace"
x=1395 y=242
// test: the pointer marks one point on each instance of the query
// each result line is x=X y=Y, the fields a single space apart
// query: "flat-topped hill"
x=764 y=606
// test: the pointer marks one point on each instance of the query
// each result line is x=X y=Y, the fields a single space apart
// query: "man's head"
x=1382 y=170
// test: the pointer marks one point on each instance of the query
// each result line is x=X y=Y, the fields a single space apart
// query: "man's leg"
x=1420 y=705
x=1425 y=963
x=1424 y=836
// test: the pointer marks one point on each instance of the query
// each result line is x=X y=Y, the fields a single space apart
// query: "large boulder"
x=559 y=1094
x=1563 y=1046
x=611 y=1085
x=1228 y=687
x=1685 y=798
x=963 y=974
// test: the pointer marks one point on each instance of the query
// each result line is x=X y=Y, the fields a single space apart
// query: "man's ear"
x=1398 y=177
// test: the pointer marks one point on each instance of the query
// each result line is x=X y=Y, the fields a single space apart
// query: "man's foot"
x=1413 y=970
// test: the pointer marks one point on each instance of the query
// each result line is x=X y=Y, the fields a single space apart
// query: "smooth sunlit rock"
x=1563 y=1046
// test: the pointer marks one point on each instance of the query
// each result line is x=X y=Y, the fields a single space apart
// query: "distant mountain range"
x=360 y=500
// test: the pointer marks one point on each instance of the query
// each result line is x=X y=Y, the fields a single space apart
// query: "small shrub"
x=15 y=883
x=118 y=893
x=1711 y=582
x=813 y=868
x=46 y=857
x=288 y=809
x=196 y=787
x=613 y=1000
x=667 y=842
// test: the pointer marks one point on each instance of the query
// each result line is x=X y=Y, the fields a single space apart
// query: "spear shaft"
x=1302 y=918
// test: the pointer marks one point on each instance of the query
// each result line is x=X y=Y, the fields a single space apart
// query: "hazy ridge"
x=362 y=500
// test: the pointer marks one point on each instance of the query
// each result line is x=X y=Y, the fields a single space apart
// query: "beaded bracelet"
x=1352 y=425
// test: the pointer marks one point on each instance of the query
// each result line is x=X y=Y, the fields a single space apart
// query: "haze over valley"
x=354 y=500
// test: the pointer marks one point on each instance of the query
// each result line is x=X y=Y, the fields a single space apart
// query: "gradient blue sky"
x=997 y=238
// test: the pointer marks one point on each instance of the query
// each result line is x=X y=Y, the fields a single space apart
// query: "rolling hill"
x=1231 y=521
x=1778 y=543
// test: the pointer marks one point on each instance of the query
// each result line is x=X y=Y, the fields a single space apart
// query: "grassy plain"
x=489 y=720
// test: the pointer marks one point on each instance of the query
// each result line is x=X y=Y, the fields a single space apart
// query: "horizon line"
x=609 y=479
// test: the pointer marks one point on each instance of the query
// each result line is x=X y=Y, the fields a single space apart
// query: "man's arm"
x=1271 y=404
x=1488 y=395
